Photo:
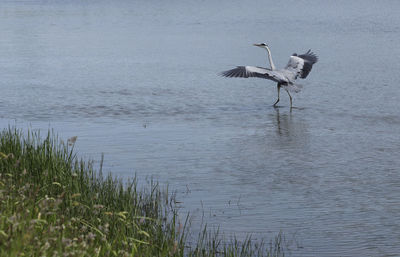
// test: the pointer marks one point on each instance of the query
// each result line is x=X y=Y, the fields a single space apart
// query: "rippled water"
x=138 y=81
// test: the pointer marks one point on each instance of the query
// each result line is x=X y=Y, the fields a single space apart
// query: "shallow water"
x=138 y=81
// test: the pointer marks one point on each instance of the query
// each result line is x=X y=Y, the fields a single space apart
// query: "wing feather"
x=309 y=60
x=251 y=71
x=302 y=64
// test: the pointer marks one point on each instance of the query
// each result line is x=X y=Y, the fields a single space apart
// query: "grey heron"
x=298 y=66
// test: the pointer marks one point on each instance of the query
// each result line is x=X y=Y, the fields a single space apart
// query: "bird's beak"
x=259 y=45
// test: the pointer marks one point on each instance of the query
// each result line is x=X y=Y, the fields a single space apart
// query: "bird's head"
x=262 y=45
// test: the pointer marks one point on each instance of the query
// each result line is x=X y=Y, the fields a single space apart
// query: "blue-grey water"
x=138 y=81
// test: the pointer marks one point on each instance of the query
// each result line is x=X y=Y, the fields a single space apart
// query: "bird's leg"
x=279 y=88
x=290 y=97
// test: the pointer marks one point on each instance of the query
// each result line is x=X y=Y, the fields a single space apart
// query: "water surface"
x=138 y=81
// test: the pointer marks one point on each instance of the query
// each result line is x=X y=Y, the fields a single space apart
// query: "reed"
x=54 y=204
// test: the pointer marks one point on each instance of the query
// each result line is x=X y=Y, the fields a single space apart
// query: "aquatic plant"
x=54 y=204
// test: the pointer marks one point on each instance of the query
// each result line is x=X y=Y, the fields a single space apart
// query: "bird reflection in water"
x=290 y=129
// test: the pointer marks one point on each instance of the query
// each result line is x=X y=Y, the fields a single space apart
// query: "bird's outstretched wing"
x=302 y=64
x=253 y=71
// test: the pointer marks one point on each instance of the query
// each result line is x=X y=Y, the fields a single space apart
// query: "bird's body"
x=298 y=66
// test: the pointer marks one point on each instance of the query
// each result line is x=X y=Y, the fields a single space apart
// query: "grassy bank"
x=54 y=204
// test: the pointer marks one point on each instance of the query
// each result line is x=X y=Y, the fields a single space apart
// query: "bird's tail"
x=294 y=88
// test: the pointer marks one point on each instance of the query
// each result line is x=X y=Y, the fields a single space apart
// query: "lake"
x=138 y=81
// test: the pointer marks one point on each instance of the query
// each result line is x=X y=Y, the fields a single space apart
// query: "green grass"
x=54 y=204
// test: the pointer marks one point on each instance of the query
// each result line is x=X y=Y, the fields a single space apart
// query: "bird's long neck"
x=270 y=58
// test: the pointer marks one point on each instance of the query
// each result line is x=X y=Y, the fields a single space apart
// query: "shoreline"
x=54 y=204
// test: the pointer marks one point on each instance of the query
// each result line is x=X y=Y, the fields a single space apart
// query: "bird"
x=299 y=66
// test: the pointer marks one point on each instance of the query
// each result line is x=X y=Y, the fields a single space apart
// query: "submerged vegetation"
x=54 y=204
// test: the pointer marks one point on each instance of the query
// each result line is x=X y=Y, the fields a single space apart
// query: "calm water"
x=137 y=81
